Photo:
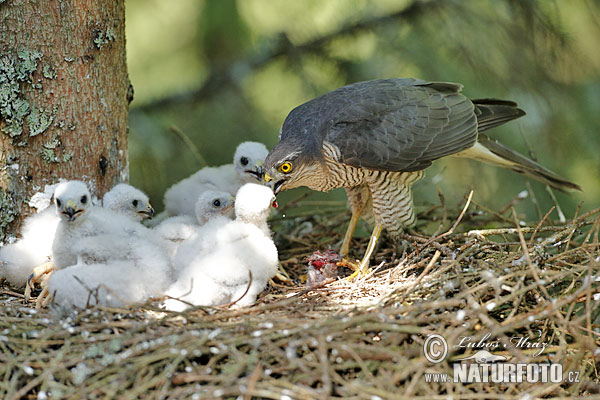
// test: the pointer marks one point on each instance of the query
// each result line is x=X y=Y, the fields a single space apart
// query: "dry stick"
x=97 y=291
x=444 y=212
x=14 y=294
x=252 y=381
x=573 y=229
x=538 y=210
x=227 y=305
x=266 y=307
x=30 y=385
x=595 y=225
x=588 y=300
x=540 y=224
x=190 y=145
x=425 y=272
x=561 y=216
x=492 y=212
x=361 y=363
x=518 y=198
x=183 y=295
x=376 y=269
x=511 y=231
x=451 y=230
x=527 y=258
x=325 y=367
x=587 y=214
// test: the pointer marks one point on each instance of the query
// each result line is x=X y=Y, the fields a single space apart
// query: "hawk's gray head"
x=299 y=150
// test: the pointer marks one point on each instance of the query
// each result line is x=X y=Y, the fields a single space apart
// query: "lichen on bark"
x=15 y=71
x=48 y=148
x=39 y=120
x=8 y=213
x=102 y=38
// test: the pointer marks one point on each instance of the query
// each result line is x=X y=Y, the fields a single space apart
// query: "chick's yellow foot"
x=40 y=275
x=44 y=297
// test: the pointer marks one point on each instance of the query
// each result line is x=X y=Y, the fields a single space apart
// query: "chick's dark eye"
x=83 y=199
x=244 y=161
x=134 y=203
x=58 y=202
x=217 y=203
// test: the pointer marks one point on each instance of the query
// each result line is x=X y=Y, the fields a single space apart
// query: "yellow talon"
x=363 y=268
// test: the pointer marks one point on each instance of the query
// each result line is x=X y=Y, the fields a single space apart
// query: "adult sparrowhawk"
x=375 y=138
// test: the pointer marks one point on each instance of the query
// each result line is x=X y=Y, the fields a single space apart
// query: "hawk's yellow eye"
x=286 y=167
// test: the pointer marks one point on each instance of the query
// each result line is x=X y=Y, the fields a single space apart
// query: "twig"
x=532 y=268
x=227 y=305
x=533 y=198
x=451 y=230
x=444 y=212
x=516 y=200
x=561 y=216
x=540 y=224
x=189 y=144
x=252 y=381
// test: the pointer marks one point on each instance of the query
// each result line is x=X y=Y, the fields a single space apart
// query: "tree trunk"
x=64 y=97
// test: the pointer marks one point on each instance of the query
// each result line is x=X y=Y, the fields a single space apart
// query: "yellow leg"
x=345 y=249
x=363 y=268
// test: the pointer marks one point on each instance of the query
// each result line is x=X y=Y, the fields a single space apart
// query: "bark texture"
x=64 y=97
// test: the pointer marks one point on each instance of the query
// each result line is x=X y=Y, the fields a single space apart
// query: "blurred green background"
x=220 y=72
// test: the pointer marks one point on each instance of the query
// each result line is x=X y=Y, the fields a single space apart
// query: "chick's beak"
x=228 y=208
x=71 y=210
x=257 y=172
x=148 y=212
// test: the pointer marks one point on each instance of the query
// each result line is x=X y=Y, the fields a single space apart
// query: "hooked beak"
x=71 y=211
x=257 y=172
x=275 y=186
x=147 y=213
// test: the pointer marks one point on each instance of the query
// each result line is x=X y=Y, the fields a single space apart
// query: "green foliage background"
x=223 y=71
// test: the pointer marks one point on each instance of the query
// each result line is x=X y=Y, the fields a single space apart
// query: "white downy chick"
x=249 y=156
x=175 y=230
x=128 y=200
x=214 y=265
x=18 y=259
x=35 y=245
x=103 y=248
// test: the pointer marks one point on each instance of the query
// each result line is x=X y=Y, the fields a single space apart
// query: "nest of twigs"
x=480 y=274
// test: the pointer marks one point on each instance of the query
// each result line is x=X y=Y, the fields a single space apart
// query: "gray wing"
x=402 y=125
